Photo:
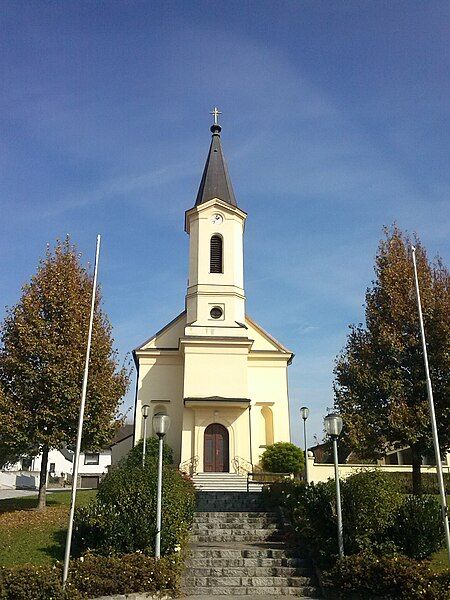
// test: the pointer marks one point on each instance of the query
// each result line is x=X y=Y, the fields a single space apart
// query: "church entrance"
x=216 y=458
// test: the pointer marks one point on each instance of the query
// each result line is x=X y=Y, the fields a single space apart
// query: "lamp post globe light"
x=145 y=411
x=161 y=424
x=304 y=411
x=333 y=427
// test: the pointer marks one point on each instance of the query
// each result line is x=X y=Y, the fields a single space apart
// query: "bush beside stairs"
x=237 y=549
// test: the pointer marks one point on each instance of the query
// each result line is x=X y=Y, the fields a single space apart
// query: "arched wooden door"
x=216 y=456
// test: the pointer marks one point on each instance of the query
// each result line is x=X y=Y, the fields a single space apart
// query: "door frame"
x=226 y=448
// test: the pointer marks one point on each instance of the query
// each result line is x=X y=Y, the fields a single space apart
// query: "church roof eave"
x=158 y=333
x=270 y=338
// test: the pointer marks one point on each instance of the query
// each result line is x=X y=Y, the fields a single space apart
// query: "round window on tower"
x=216 y=312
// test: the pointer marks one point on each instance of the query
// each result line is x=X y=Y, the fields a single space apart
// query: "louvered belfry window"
x=216 y=256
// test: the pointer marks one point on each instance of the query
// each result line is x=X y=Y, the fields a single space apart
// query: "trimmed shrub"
x=403 y=481
x=368 y=576
x=417 y=529
x=370 y=501
x=91 y=576
x=282 y=457
x=311 y=512
x=134 y=456
x=109 y=575
x=315 y=520
x=27 y=582
x=122 y=517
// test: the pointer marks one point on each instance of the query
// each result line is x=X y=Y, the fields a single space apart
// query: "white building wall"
x=14 y=476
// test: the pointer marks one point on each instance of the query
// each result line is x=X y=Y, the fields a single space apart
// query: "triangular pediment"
x=263 y=341
x=168 y=337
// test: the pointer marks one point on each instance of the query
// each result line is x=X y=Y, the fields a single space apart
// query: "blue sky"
x=335 y=123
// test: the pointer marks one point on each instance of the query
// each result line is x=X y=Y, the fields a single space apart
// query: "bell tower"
x=215 y=295
x=216 y=373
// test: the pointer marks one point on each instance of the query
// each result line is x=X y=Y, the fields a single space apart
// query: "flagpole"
x=432 y=412
x=76 y=457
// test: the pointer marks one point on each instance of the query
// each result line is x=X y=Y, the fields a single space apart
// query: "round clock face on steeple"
x=216 y=219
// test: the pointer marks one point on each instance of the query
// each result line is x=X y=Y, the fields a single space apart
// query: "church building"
x=218 y=375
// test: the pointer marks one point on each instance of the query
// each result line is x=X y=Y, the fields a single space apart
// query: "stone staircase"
x=224 y=482
x=237 y=549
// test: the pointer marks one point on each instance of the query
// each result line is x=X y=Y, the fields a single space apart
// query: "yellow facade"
x=219 y=367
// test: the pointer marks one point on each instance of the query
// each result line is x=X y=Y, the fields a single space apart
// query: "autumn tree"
x=42 y=354
x=380 y=386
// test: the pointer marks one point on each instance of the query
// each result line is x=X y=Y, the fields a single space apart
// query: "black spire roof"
x=215 y=181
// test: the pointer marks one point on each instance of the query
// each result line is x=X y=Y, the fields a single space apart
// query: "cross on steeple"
x=216 y=112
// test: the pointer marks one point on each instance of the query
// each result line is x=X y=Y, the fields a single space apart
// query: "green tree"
x=380 y=387
x=42 y=354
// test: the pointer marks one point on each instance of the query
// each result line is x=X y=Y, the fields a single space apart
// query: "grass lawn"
x=29 y=536
x=439 y=561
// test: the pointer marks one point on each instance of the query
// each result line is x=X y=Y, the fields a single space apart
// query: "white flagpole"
x=432 y=413
x=76 y=457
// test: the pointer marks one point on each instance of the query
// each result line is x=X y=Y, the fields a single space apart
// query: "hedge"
x=122 y=518
x=134 y=456
x=90 y=577
x=367 y=576
x=27 y=582
x=376 y=517
x=417 y=530
x=95 y=576
x=403 y=481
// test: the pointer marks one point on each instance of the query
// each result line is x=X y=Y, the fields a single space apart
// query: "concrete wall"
x=12 y=480
x=323 y=472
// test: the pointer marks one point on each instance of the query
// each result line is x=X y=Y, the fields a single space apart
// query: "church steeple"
x=215 y=181
x=215 y=295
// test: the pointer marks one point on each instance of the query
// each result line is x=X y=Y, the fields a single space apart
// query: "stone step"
x=230 y=501
x=233 y=528
x=297 y=563
x=194 y=596
x=306 y=593
x=239 y=539
x=219 y=477
x=212 y=552
x=246 y=571
x=225 y=488
x=228 y=523
x=227 y=482
x=259 y=525
x=259 y=535
x=239 y=516
x=229 y=581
